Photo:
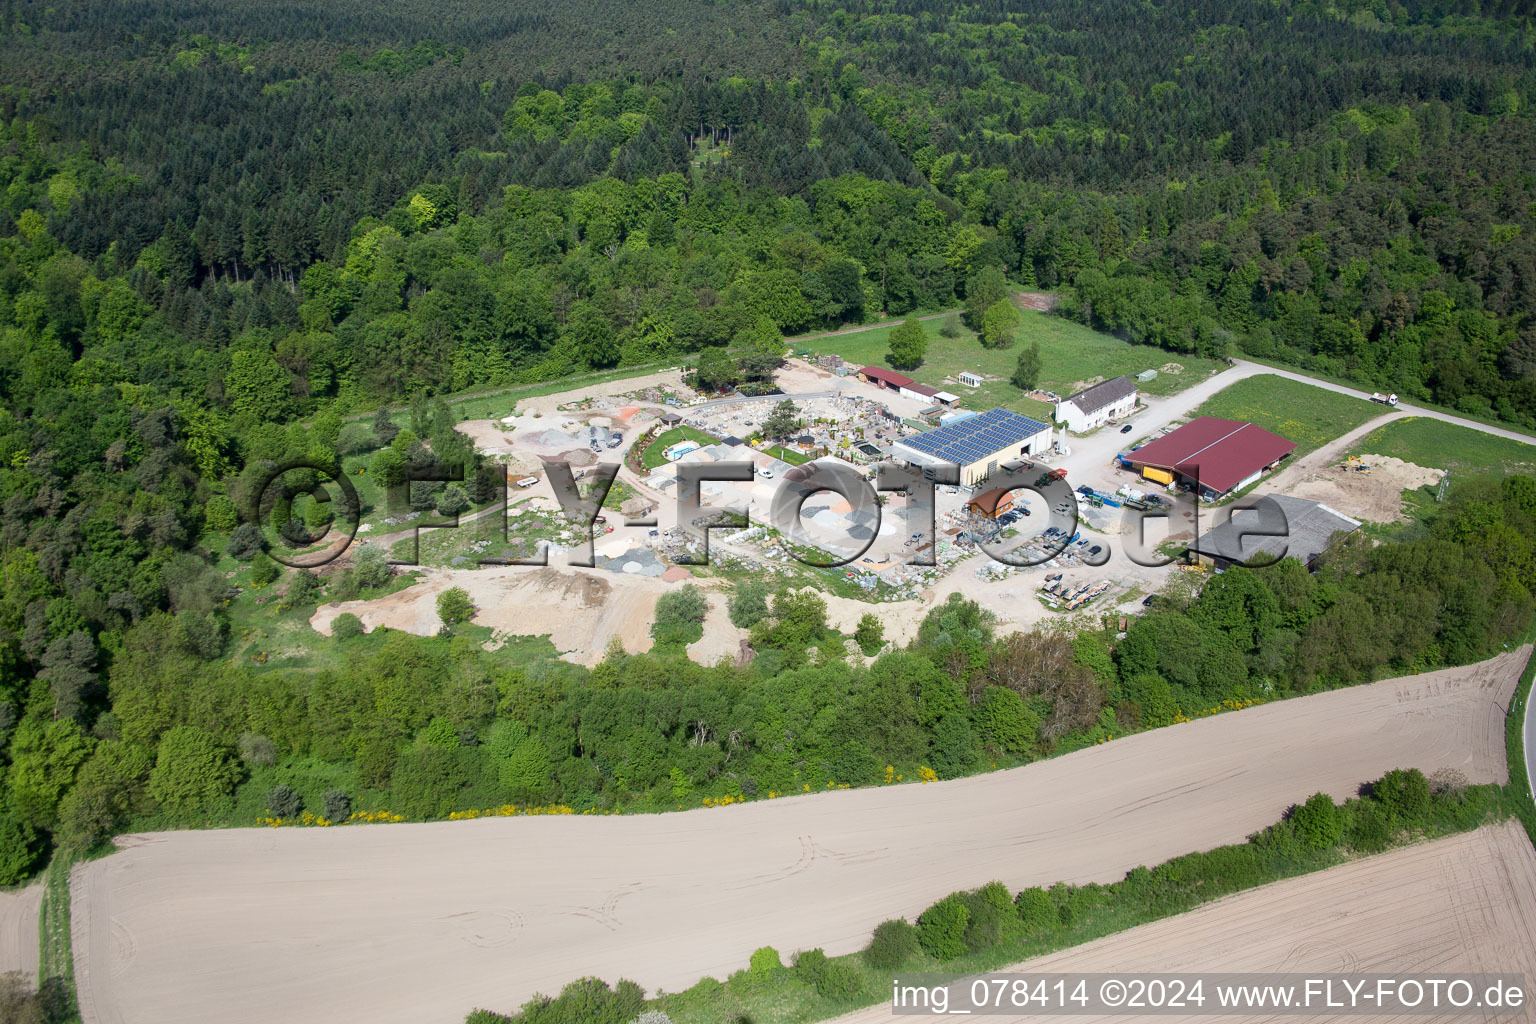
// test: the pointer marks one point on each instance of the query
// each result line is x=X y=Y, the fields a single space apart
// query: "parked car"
x=1094 y=550
x=1149 y=601
x=1126 y=429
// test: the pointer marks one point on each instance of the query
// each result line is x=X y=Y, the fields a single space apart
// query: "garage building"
x=978 y=444
x=1221 y=456
x=1093 y=407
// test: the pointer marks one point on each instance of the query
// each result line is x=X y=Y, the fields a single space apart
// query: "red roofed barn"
x=881 y=377
x=1220 y=456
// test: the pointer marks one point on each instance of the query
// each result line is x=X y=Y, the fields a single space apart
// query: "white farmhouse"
x=1093 y=407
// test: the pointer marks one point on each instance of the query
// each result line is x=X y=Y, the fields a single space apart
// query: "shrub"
x=263 y=569
x=370 y=566
x=951 y=327
x=453 y=501
x=1317 y=821
x=346 y=626
x=1035 y=909
x=244 y=542
x=748 y=604
x=832 y=979
x=941 y=928
x=256 y=749
x=335 y=806
x=454 y=606
x=765 y=961
x=302 y=587
x=284 y=802
x=1404 y=795
x=892 y=944
x=220 y=514
x=870 y=634
x=680 y=616
x=1370 y=828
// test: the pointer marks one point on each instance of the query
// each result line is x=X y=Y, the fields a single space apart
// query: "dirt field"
x=1462 y=904
x=581 y=610
x=18 y=929
x=421 y=923
x=1376 y=496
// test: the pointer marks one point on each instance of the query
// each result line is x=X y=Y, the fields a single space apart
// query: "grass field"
x=1437 y=445
x=655 y=452
x=1298 y=412
x=790 y=455
x=1070 y=353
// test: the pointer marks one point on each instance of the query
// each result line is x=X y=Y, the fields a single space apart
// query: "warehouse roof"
x=1222 y=453
x=976 y=437
x=1102 y=396
x=890 y=377
x=921 y=389
x=1276 y=526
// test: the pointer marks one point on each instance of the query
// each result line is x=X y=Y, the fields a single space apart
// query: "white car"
x=766 y=473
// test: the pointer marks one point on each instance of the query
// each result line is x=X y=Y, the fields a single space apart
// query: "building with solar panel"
x=978 y=444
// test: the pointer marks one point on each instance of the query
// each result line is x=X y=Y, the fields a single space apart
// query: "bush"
x=454 y=606
x=941 y=928
x=1404 y=795
x=335 y=806
x=370 y=566
x=680 y=616
x=220 y=514
x=453 y=501
x=1035 y=909
x=892 y=944
x=1317 y=821
x=263 y=569
x=832 y=979
x=346 y=626
x=256 y=749
x=1370 y=827
x=244 y=542
x=870 y=634
x=951 y=326
x=284 y=802
x=748 y=604
x=765 y=962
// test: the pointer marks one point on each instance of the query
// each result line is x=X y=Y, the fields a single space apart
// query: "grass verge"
x=1310 y=416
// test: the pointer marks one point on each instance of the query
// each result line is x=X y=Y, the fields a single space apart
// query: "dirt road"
x=1466 y=904
x=421 y=923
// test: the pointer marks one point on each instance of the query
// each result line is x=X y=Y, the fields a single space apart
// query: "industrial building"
x=1215 y=456
x=1277 y=526
x=978 y=444
x=1093 y=407
x=880 y=377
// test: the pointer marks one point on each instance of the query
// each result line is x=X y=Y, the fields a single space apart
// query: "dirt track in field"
x=421 y=923
x=1464 y=904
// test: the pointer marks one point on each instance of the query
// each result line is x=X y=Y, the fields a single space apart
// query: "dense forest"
x=226 y=227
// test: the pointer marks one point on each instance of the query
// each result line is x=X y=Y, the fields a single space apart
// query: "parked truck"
x=1381 y=399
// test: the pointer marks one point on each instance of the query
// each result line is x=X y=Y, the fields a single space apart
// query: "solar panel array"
x=976 y=437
